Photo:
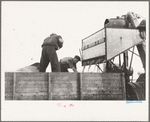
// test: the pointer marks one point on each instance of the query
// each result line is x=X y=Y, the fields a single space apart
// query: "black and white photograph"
x=74 y=60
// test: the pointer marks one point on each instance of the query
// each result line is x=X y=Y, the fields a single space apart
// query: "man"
x=49 y=47
x=69 y=62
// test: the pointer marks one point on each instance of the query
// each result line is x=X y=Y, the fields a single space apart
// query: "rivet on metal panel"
x=121 y=40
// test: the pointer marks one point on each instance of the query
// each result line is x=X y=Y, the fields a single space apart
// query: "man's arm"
x=61 y=41
x=74 y=69
x=71 y=65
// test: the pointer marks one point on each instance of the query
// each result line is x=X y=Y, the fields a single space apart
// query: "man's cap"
x=77 y=57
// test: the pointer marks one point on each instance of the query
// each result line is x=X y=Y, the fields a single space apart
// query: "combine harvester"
x=112 y=42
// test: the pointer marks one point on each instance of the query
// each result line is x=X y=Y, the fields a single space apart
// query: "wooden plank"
x=102 y=85
x=38 y=79
x=9 y=79
x=32 y=84
x=79 y=86
x=32 y=77
x=10 y=83
x=33 y=94
x=93 y=92
x=91 y=84
x=90 y=94
x=32 y=74
x=62 y=93
x=14 y=85
x=64 y=90
x=102 y=97
x=34 y=97
x=98 y=90
x=8 y=96
x=49 y=88
x=65 y=97
x=123 y=87
x=112 y=97
x=8 y=74
x=62 y=81
x=100 y=80
x=8 y=86
x=100 y=76
x=9 y=90
x=92 y=97
x=65 y=85
x=31 y=90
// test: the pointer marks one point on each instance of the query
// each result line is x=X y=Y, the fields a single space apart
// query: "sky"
x=25 y=24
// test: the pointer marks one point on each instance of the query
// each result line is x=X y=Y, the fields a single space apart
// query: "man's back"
x=53 y=40
x=68 y=62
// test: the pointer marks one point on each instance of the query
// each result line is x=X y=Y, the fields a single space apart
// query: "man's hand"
x=61 y=40
x=74 y=69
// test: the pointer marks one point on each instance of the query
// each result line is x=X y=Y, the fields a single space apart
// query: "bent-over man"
x=49 y=55
x=69 y=62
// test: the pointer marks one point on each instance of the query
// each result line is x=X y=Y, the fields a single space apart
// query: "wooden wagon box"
x=64 y=86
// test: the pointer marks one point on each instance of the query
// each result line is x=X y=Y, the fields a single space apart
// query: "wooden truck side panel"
x=64 y=86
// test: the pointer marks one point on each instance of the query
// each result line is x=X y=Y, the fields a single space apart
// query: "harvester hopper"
x=117 y=37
